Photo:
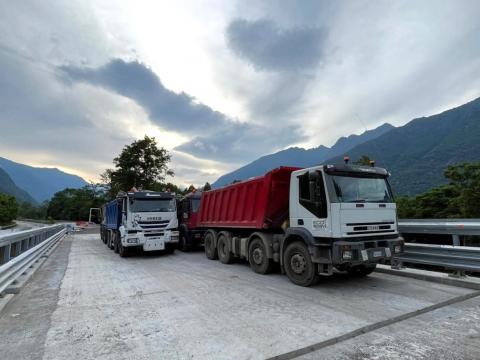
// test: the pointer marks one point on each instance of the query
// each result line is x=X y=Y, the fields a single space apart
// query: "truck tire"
x=122 y=250
x=210 y=249
x=108 y=236
x=361 y=270
x=257 y=257
x=111 y=238
x=169 y=248
x=299 y=266
x=223 y=248
x=183 y=243
x=116 y=239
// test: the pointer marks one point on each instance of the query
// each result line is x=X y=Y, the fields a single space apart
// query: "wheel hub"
x=257 y=256
x=298 y=263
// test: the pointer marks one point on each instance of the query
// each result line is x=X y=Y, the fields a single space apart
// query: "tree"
x=75 y=204
x=28 y=211
x=364 y=160
x=142 y=164
x=8 y=209
x=207 y=186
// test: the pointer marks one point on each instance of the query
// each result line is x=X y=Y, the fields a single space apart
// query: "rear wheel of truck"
x=223 y=248
x=299 y=266
x=257 y=257
x=116 y=240
x=210 y=249
x=361 y=270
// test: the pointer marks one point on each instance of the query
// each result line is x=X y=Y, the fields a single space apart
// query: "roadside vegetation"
x=460 y=198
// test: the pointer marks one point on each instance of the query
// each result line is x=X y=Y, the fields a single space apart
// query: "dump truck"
x=191 y=236
x=141 y=220
x=311 y=221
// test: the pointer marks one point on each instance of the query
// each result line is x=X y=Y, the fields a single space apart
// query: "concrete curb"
x=467 y=282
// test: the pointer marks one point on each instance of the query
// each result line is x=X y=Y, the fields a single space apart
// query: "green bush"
x=8 y=209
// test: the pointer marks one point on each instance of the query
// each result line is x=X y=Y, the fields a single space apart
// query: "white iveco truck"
x=312 y=221
x=143 y=220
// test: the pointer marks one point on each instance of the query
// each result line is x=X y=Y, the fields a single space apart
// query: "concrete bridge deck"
x=88 y=303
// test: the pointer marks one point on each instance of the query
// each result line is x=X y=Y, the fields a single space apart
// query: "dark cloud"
x=269 y=47
x=134 y=80
x=215 y=135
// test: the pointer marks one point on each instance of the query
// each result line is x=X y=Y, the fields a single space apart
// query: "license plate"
x=378 y=253
x=154 y=244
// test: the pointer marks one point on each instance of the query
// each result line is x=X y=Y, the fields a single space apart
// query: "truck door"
x=312 y=208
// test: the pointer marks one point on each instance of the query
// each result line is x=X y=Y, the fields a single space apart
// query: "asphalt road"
x=88 y=303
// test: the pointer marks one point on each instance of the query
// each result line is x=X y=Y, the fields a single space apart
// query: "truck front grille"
x=371 y=228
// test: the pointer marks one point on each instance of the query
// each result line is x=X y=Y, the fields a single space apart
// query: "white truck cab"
x=347 y=216
x=149 y=220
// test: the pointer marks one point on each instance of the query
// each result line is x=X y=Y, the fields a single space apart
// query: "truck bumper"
x=350 y=253
x=152 y=243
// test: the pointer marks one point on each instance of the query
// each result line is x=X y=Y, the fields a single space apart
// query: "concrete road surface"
x=88 y=303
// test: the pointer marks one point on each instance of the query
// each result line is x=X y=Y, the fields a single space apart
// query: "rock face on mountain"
x=40 y=183
x=300 y=157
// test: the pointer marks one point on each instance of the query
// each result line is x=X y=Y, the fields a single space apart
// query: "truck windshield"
x=152 y=205
x=361 y=189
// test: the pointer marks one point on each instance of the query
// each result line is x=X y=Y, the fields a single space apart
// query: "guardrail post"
x=456 y=240
x=397 y=265
x=5 y=254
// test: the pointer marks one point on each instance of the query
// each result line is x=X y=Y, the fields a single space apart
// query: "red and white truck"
x=309 y=221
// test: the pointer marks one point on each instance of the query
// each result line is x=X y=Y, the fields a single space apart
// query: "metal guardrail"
x=20 y=250
x=458 y=258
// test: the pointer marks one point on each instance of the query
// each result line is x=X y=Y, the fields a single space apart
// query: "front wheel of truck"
x=183 y=243
x=122 y=250
x=361 y=270
x=298 y=265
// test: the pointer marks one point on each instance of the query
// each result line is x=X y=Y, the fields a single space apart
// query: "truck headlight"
x=398 y=249
x=347 y=255
x=132 y=241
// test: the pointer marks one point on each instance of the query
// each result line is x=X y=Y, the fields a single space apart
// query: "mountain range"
x=7 y=186
x=34 y=184
x=416 y=154
x=296 y=156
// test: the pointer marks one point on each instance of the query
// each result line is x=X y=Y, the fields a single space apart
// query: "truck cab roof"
x=349 y=170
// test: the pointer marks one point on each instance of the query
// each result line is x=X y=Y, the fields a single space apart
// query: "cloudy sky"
x=219 y=83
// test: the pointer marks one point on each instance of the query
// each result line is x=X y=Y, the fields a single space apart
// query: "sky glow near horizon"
x=221 y=83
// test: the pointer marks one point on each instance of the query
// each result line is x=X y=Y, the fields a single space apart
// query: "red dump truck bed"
x=258 y=203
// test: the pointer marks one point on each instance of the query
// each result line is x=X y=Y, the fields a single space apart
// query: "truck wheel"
x=361 y=270
x=169 y=248
x=182 y=244
x=116 y=239
x=210 y=250
x=299 y=266
x=122 y=250
x=223 y=248
x=257 y=257
x=109 y=237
